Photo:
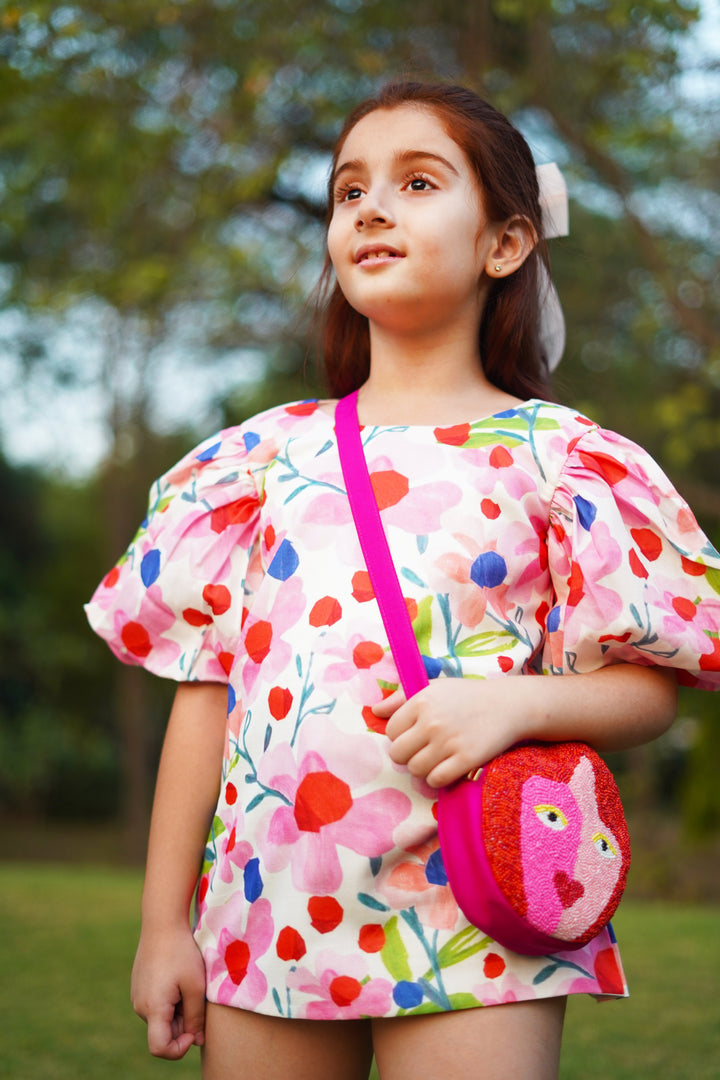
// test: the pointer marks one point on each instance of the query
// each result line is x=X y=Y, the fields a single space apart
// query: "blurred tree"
x=160 y=170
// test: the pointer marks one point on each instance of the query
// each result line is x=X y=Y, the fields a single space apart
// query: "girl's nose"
x=371 y=211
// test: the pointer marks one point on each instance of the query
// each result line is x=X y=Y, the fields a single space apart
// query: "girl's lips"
x=377 y=253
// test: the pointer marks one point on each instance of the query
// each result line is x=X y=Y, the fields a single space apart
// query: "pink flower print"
x=232 y=852
x=688 y=624
x=144 y=634
x=363 y=663
x=408 y=882
x=421 y=511
x=343 y=990
x=262 y=634
x=503 y=990
x=233 y=977
x=323 y=812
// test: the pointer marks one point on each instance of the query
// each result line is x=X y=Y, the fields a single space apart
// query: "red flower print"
x=111 y=578
x=611 y=470
x=218 y=598
x=325 y=612
x=635 y=565
x=196 y=618
x=457 y=435
x=649 y=543
x=235 y=513
x=576 y=582
x=501 y=458
x=237 y=958
x=257 y=641
x=371 y=938
x=493 y=966
x=490 y=509
x=344 y=990
x=321 y=799
x=684 y=608
x=389 y=487
x=136 y=639
x=325 y=913
x=607 y=972
x=279 y=702
x=362 y=590
x=711 y=661
x=367 y=653
x=290 y=944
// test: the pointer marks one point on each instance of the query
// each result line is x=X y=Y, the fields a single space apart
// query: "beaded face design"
x=565 y=826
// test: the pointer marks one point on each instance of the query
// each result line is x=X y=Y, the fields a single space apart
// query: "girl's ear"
x=511 y=242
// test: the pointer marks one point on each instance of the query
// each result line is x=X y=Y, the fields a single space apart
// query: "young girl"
x=528 y=542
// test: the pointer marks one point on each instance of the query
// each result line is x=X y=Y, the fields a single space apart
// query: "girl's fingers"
x=194 y=1013
x=389 y=705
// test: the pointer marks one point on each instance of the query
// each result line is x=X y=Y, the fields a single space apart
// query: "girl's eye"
x=552 y=817
x=419 y=183
x=348 y=193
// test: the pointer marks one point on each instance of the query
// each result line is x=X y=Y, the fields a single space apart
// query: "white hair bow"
x=556 y=222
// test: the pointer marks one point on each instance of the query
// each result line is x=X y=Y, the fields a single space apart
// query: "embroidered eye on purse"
x=534 y=844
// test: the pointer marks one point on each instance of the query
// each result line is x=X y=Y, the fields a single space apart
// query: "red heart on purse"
x=567 y=889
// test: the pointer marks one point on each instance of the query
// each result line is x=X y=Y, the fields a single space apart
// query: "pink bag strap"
x=375 y=548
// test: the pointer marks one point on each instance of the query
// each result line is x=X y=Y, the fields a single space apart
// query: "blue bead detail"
x=150 y=567
x=586 y=511
x=489 y=570
x=285 y=562
x=407 y=994
x=252 y=882
x=435 y=869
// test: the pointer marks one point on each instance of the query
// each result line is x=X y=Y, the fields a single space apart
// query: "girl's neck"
x=437 y=383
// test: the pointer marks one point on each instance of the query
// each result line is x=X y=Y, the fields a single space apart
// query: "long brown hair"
x=509 y=339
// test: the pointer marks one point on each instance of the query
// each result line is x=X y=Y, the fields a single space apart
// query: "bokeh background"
x=162 y=172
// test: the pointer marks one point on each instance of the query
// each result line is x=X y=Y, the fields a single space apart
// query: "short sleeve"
x=635 y=578
x=174 y=601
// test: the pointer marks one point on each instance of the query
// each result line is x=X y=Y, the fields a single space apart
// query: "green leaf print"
x=492 y=438
x=457 y=1001
x=487 y=643
x=422 y=625
x=713 y=578
x=394 y=954
x=465 y=944
x=217 y=829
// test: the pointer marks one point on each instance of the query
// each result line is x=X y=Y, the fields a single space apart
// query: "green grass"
x=68 y=937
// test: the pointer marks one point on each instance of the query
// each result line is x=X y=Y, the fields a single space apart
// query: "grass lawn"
x=69 y=936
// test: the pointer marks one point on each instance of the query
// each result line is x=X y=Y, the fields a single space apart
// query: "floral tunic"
x=530 y=541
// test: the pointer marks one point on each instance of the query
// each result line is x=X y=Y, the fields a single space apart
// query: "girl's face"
x=408 y=237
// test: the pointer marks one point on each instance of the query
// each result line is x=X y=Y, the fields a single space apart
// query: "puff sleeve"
x=635 y=578
x=174 y=601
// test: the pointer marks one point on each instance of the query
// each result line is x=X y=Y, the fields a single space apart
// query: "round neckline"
x=435 y=427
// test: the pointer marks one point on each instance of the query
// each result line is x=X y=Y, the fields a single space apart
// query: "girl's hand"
x=168 y=992
x=455 y=725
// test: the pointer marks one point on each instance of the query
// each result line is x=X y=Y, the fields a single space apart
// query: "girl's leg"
x=241 y=1044
x=519 y=1041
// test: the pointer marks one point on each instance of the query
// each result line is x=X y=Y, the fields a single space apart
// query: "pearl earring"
x=498 y=268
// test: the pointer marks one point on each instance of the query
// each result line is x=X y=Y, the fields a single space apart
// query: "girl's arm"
x=455 y=725
x=168 y=979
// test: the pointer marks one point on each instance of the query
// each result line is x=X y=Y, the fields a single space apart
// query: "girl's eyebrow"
x=401 y=157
